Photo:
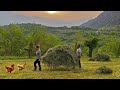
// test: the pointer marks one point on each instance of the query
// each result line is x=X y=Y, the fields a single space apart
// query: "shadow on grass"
x=59 y=69
x=76 y=70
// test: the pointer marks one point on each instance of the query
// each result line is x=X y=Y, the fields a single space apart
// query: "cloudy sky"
x=64 y=15
x=55 y=18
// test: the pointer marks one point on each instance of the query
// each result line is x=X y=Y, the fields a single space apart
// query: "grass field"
x=86 y=72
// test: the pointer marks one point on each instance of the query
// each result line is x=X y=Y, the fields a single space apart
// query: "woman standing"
x=38 y=57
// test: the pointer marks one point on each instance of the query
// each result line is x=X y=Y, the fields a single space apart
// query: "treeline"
x=16 y=41
x=20 y=39
x=107 y=42
x=29 y=27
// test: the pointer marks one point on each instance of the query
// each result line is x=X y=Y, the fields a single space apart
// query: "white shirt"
x=79 y=52
x=38 y=54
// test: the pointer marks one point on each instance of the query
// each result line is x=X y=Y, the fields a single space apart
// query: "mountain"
x=7 y=17
x=106 y=18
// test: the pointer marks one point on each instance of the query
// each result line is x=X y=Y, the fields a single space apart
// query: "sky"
x=63 y=15
x=54 y=18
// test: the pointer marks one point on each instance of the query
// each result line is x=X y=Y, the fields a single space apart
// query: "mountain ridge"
x=106 y=18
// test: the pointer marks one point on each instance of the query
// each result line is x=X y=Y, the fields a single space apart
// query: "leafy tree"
x=13 y=40
x=110 y=45
x=91 y=44
x=39 y=36
x=2 y=41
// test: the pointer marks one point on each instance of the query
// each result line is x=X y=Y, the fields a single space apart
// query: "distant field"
x=87 y=71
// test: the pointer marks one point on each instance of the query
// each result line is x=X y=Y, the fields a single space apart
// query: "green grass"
x=13 y=57
x=87 y=71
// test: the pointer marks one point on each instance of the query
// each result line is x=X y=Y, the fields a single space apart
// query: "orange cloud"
x=63 y=15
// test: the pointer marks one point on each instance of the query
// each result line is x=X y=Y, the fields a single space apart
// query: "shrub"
x=100 y=57
x=104 y=70
x=59 y=55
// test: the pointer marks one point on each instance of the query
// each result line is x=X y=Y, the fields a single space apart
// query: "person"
x=38 y=58
x=79 y=53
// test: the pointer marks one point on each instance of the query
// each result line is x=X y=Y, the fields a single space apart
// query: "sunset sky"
x=57 y=18
x=64 y=15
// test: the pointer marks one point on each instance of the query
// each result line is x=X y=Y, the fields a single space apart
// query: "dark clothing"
x=79 y=62
x=37 y=61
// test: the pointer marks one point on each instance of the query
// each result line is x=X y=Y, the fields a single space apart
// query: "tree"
x=2 y=41
x=78 y=39
x=91 y=44
x=39 y=36
x=36 y=37
x=13 y=40
x=50 y=41
x=110 y=45
x=29 y=44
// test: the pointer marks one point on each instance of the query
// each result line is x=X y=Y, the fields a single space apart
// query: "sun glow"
x=52 y=12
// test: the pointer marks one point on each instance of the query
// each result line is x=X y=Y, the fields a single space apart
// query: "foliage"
x=91 y=44
x=15 y=42
x=20 y=39
x=110 y=44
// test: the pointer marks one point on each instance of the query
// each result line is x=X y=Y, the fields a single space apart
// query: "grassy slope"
x=87 y=71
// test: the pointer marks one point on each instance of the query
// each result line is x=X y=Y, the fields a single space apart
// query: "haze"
x=59 y=18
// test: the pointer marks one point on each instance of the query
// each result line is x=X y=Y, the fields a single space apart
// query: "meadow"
x=86 y=72
x=18 y=41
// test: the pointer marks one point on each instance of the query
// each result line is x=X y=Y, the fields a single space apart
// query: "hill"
x=106 y=18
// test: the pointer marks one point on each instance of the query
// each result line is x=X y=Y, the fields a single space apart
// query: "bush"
x=104 y=70
x=100 y=57
x=59 y=56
